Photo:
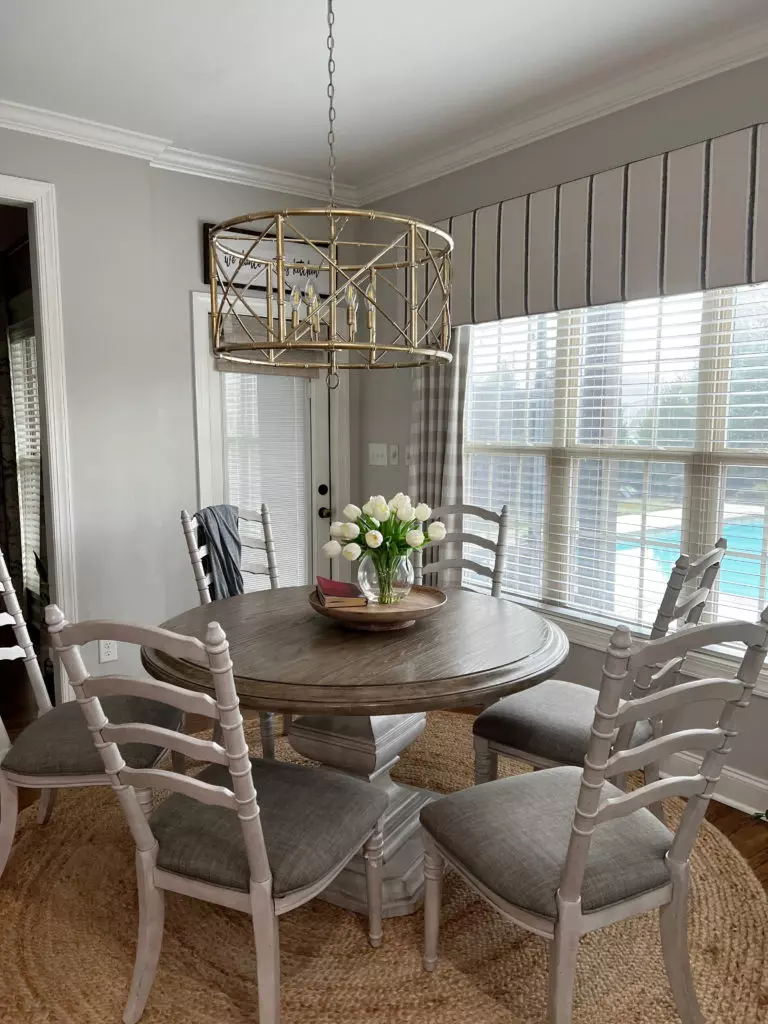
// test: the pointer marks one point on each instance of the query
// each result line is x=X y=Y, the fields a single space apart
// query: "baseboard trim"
x=745 y=792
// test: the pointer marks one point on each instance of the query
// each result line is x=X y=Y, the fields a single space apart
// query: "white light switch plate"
x=377 y=455
x=107 y=651
x=394 y=455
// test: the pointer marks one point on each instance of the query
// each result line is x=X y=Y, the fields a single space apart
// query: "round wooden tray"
x=421 y=602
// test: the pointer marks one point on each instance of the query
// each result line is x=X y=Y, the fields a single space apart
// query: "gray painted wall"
x=130 y=251
x=713 y=107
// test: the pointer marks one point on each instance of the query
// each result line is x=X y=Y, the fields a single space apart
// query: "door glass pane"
x=267 y=458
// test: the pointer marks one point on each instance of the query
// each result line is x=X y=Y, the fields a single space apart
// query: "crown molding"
x=713 y=59
x=187 y=162
x=161 y=153
x=35 y=121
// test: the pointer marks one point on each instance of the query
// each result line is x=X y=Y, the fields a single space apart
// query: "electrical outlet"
x=107 y=651
x=377 y=455
x=394 y=455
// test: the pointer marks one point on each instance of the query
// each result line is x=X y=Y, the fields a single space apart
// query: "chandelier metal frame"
x=315 y=283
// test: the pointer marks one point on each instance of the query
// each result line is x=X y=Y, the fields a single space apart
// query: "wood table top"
x=288 y=658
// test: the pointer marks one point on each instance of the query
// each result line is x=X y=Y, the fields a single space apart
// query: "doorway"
x=264 y=437
x=22 y=492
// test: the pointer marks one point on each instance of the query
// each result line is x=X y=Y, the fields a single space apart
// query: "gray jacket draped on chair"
x=218 y=531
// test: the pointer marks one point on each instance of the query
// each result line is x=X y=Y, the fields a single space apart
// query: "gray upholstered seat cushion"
x=513 y=836
x=551 y=720
x=312 y=820
x=59 y=743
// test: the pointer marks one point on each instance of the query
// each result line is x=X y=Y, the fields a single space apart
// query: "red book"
x=336 y=594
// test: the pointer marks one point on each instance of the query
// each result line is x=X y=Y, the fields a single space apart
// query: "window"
x=267 y=452
x=26 y=425
x=619 y=436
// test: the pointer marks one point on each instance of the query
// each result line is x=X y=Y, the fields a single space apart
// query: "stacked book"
x=334 y=594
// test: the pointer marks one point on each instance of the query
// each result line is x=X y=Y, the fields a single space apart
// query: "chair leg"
x=674 y=943
x=267 y=730
x=266 y=938
x=9 y=811
x=178 y=762
x=372 y=851
x=433 y=882
x=218 y=735
x=562 y=964
x=45 y=806
x=287 y=719
x=151 y=924
x=486 y=762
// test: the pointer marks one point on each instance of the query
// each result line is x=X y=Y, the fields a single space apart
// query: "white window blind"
x=267 y=458
x=26 y=424
x=621 y=435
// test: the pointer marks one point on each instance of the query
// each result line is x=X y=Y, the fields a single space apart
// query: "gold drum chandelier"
x=333 y=289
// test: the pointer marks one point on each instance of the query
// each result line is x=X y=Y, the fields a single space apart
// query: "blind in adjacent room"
x=620 y=435
x=267 y=458
x=26 y=423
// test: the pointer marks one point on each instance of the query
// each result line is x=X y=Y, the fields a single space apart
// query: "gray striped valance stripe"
x=679 y=222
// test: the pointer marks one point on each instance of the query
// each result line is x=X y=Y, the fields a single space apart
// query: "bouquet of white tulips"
x=386 y=531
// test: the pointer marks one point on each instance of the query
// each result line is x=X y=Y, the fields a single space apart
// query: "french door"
x=265 y=437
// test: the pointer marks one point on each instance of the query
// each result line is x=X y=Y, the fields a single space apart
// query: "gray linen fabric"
x=218 y=529
x=311 y=819
x=551 y=720
x=513 y=836
x=59 y=743
x=437 y=439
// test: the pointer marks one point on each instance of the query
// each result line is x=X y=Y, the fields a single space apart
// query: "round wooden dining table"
x=361 y=697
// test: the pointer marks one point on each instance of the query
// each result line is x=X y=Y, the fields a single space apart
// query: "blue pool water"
x=740 y=574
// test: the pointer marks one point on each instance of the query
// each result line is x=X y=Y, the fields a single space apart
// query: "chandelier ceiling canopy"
x=330 y=288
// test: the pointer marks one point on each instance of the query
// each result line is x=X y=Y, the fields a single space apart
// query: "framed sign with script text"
x=301 y=263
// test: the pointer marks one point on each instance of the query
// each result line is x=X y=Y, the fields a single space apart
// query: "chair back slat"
x=662 y=746
x=241 y=797
x=166 y=739
x=642 y=708
x=152 y=689
x=13 y=617
x=265 y=543
x=622 y=661
x=187 y=785
x=688 y=610
x=455 y=541
x=175 y=645
x=646 y=796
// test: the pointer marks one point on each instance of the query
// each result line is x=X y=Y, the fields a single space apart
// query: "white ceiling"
x=418 y=81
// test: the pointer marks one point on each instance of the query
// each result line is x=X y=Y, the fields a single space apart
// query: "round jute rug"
x=68 y=919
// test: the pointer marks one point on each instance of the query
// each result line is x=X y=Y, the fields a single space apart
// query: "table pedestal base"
x=368 y=748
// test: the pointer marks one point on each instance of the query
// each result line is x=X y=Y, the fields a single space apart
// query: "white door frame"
x=40 y=199
x=209 y=469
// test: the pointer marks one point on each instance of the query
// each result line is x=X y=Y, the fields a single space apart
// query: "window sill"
x=595 y=634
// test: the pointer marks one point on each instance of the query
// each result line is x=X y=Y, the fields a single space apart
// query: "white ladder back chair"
x=22 y=649
x=233 y=870
x=197 y=552
x=581 y=889
x=250 y=542
x=459 y=537
x=549 y=724
x=56 y=751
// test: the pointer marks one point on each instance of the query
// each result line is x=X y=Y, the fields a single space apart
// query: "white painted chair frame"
x=672 y=608
x=604 y=760
x=197 y=553
x=12 y=782
x=134 y=790
x=498 y=547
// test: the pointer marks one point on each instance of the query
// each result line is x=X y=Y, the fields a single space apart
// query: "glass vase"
x=385 y=579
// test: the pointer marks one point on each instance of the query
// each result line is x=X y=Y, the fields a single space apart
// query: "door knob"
x=323 y=512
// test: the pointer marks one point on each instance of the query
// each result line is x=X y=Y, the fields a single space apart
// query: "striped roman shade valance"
x=683 y=221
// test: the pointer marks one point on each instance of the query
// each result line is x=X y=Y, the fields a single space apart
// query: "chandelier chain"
x=331 y=106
